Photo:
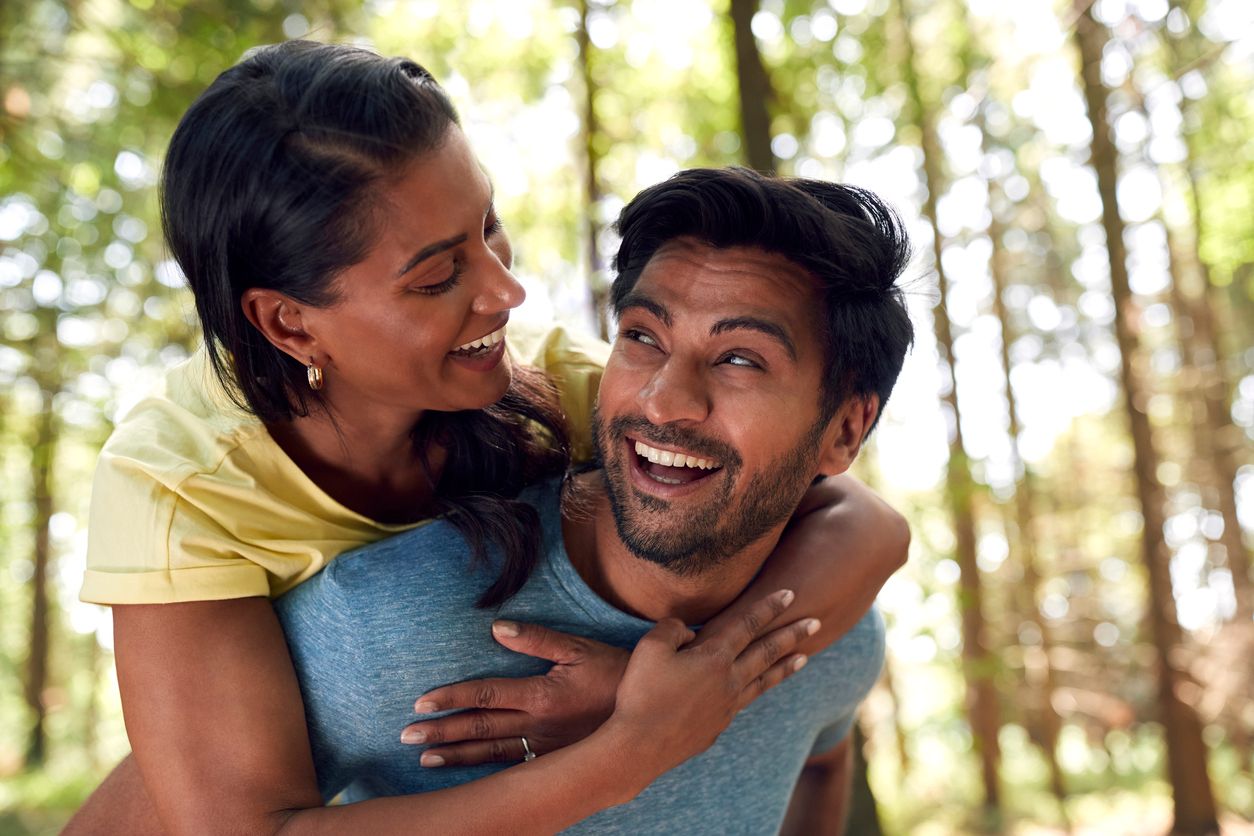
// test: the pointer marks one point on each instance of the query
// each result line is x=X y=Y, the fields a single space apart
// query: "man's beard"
x=698 y=539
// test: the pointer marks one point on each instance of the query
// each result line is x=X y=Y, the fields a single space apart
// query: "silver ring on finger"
x=528 y=755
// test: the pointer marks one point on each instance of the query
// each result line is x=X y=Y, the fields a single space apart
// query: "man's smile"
x=655 y=468
x=673 y=458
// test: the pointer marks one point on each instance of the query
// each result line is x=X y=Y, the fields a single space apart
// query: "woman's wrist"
x=631 y=763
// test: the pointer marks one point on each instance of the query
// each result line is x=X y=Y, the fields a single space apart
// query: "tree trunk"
x=1204 y=386
x=1186 y=751
x=755 y=89
x=43 y=455
x=899 y=731
x=978 y=664
x=91 y=715
x=864 y=817
x=597 y=280
x=1026 y=535
x=1226 y=438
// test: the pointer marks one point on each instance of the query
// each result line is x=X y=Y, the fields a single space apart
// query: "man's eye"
x=739 y=360
x=637 y=336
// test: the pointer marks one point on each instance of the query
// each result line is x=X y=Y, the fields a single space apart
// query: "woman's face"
x=420 y=322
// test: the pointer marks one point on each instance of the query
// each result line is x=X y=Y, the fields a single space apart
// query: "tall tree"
x=755 y=88
x=1024 y=535
x=43 y=462
x=591 y=154
x=979 y=665
x=1026 y=532
x=1200 y=297
x=1186 y=751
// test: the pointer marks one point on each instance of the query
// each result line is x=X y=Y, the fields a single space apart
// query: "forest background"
x=1070 y=644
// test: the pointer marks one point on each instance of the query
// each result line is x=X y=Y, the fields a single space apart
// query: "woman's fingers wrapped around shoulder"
x=732 y=637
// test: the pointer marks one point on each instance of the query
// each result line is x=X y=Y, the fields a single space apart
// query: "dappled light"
x=1070 y=437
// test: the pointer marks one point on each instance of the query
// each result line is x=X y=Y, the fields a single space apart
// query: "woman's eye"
x=444 y=286
x=493 y=226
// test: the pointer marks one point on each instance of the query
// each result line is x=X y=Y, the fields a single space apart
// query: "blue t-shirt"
x=388 y=622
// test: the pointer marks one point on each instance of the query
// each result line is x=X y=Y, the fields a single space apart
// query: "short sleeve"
x=574 y=362
x=830 y=737
x=147 y=546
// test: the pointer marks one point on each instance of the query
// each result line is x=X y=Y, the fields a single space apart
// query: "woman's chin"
x=491 y=389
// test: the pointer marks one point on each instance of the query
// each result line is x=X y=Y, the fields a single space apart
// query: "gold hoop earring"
x=314 y=375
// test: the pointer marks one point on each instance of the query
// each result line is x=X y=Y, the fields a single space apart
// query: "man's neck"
x=643 y=588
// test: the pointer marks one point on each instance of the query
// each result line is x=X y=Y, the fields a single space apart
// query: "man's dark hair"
x=851 y=242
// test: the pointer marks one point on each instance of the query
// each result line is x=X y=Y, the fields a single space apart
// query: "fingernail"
x=505 y=628
x=413 y=736
x=812 y=626
x=786 y=596
x=799 y=663
x=425 y=707
x=428 y=759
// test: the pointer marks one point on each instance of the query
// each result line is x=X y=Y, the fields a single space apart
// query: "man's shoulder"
x=863 y=646
x=435 y=559
x=846 y=670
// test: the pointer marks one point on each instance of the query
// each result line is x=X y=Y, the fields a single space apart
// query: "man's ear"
x=280 y=320
x=845 y=433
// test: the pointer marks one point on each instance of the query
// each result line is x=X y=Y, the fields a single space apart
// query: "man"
x=760 y=333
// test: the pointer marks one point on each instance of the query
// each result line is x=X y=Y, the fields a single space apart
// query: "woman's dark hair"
x=849 y=241
x=267 y=184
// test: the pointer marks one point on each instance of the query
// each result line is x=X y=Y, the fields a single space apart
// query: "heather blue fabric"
x=390 y=621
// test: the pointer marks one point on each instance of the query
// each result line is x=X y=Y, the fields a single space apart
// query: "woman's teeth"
x=672 y=459
x=482 y=344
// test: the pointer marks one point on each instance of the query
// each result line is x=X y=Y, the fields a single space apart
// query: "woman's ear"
x=845 y=433
x=279 y=318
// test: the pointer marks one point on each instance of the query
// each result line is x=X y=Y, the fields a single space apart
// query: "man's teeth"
x=672 y=459
x=486 y=341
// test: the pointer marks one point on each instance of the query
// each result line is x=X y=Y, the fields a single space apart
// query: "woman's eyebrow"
x=430 y=250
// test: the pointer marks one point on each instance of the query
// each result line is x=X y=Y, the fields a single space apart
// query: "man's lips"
x=673 y=458
x=654 y=468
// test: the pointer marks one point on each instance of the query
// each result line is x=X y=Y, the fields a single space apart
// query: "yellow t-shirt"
x=194 y=501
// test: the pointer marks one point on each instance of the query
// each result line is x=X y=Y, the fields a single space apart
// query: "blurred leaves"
x=91 y=310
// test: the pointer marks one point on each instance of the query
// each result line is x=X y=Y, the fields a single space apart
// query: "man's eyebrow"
x=430 y=250
x=764 y=326
x=637 y=300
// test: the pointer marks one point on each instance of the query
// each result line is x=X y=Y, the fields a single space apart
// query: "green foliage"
x=90 y=311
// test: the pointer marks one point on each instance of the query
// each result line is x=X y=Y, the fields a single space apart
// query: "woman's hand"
x=838 y=551
x=677 y=696
x=565 y=705
x=582 y=688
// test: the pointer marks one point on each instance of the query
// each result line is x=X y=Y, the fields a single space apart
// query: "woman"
x=352 y=280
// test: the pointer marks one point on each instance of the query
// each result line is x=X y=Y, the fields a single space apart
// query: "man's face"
x=708 y=414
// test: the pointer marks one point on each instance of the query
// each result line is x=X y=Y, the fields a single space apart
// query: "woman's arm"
x=840 y=548
x=216 y=723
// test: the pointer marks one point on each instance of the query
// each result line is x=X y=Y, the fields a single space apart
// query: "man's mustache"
x=669 y=435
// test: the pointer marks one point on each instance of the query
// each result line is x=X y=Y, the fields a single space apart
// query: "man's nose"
x=498 y=290
x=676 y=392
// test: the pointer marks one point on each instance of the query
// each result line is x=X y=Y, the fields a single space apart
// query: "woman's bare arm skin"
x=216 y=722
x=840 y=548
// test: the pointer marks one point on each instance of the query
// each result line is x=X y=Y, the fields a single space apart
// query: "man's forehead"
x=746 y=261
x=685 y=270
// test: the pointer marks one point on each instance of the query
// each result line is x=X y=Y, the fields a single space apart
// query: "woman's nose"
x=498 y=290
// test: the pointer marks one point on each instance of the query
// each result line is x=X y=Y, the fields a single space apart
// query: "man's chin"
x=655 y=537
